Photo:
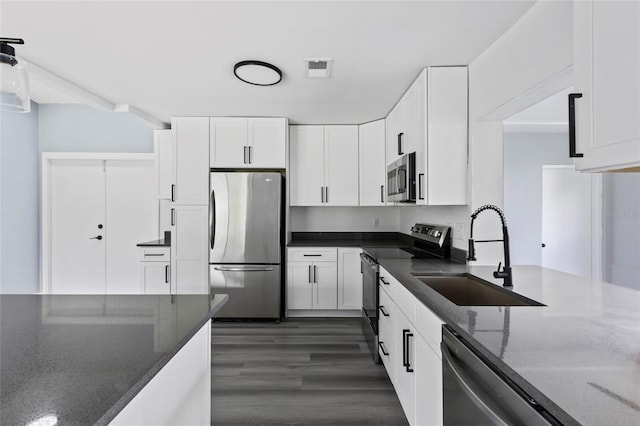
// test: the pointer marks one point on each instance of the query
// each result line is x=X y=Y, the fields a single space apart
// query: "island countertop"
x=81 y=358
x=579 y=356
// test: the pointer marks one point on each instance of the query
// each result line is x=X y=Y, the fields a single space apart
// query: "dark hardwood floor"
x=299 y=372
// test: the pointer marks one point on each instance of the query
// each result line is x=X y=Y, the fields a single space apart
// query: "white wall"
x=82 y=128
x=19 y=202
x=524 y=156
x=343 y=219
x=537 y=48
x=622 y=229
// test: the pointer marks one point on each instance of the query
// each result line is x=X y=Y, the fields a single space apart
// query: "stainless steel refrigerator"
x=245 y=211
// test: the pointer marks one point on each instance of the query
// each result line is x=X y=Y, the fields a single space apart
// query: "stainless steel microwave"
x=401 y=179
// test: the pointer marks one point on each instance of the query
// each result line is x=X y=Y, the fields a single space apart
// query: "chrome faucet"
x=505 y=274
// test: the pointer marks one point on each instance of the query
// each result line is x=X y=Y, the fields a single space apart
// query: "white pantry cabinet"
x=165 y=147
x=372 y=162
x=349 y=278
x=239 y=142
x=191 y=160
x=189 y=249
x=312 y=278
x=324 y=165
x=606 y=43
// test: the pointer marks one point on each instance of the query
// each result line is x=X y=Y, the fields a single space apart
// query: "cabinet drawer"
x=405 y=301
x=154 y=254
x=386 y=306
x=388 y=283
x=313 y=254
x=429 y=324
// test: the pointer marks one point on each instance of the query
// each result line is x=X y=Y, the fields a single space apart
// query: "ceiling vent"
x=318 y=67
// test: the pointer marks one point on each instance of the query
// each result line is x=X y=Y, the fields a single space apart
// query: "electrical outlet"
x=376 y=222
x=458 y=231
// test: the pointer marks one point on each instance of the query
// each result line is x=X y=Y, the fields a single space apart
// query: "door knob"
x=543 y=245
x=99 y=237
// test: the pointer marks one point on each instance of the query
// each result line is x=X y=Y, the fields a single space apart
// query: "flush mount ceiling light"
x=257 y=73
x=14 y=84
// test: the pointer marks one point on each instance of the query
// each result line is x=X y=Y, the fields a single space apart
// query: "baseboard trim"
x=329 y=313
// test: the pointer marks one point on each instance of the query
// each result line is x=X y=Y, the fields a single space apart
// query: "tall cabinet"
x=606 y=66
x=190 y=207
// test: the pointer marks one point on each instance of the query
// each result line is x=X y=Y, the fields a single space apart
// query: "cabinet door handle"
x=420 y=179
x=244 y=158
x=309 y=274
x=314 y=274
x=400 y=139
x=173 y=221
x=383 y=311
x=173 y=191
x=404 y=347
x=322 y=194
x=166 y=274
x=382 y=193
x=249 y=154
x=326 y=194
x=572 y=125
x=384 y=281
x=408 y=365
x=312 y=255
x=384 y=350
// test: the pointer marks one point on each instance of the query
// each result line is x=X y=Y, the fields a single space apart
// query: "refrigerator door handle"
x=241 y=269
x=212 y=220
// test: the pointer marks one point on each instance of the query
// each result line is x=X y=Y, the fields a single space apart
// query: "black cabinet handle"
x=383 y=311
x=420 y=179
x=314 y=274
x=400 y=139
x=312 y=255
x=383 y=281
x=322 y=194
x=384 y=350
x=572 y=125
x=173 y=222
x=166 y=274
x=173 y=190
x=326 y=194
x=408 y=366
x=309 y=274
x=405 y=362
x=382 y=193
x=249 y=154
x=244 y=158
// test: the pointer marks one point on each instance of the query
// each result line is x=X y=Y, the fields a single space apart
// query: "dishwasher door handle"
x=478 y=397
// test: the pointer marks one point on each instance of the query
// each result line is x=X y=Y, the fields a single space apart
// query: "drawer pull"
x=383 y=281
x=153 y=254
x=383 y=311
x=384 y=350
x=312 y=255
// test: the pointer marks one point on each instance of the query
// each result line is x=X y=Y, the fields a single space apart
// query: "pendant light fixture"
x=257 y=73
x=14 y=83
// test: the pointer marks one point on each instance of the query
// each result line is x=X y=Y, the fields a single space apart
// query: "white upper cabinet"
x=341 y=165
x=394 y=139
x=441 y=166
x=324 y=165
x=192 y=167
x=606 y=46
x=306 y=165
x=238 y=142
x=373 y=166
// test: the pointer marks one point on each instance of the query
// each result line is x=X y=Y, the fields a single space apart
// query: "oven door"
x=370 y=303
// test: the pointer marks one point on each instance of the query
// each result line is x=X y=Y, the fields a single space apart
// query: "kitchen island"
x=87 y=359
x=578 y=356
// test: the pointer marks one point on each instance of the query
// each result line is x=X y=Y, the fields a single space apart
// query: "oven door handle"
x=479 y=398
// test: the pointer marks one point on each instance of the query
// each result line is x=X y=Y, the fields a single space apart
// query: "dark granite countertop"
x=578 y=356
x=83 y=358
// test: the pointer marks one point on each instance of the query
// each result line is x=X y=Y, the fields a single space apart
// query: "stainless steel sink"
x=467 y=290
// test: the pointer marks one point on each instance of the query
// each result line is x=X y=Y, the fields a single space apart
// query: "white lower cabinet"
x=414 y=360
x=324 y=278
x=155 y=277
x=189 y=249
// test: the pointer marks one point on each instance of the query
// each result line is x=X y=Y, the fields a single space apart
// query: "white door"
x=349 y=279
x=299 y=286
x=306 y=164
x=373 y=166
x=566 y=220
x=131 y=217
x=325 y=286
x=228 y=142
x=78 y=244
x=341 y=165
x=267 y=142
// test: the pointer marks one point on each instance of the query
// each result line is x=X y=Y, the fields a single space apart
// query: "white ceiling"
x=172 y=58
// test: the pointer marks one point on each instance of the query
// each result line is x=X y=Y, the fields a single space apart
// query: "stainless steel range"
x=429 y=242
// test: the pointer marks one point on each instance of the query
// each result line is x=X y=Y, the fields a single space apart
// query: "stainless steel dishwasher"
x=476 y=393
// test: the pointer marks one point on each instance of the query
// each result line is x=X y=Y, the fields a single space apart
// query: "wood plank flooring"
x=311 y=371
